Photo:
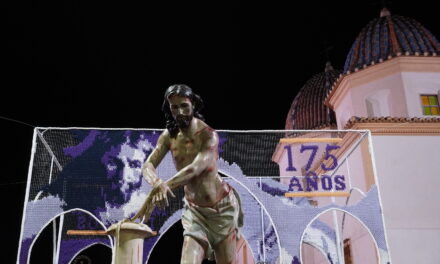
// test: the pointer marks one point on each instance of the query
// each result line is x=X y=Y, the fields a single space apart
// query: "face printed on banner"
x=104 y=170
x=125 y=164
x=182 y=110
x=132 y=158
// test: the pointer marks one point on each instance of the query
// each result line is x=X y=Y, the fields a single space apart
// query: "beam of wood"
x=87 y=232
x=94 y=233
x=308 y=140
x=317 y=194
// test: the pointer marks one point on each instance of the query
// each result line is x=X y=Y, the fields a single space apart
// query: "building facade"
x=390 y=85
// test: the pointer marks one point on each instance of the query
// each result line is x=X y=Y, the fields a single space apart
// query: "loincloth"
x=211 y=225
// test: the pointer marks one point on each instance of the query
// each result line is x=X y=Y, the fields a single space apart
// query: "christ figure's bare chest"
x=184 y=150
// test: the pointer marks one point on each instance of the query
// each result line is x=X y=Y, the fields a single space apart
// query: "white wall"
x=362 y=243
x=344 y=111
x=397 y=95
x=415 y=84
x=387 y=93
x=408 y=169
x=312 y=255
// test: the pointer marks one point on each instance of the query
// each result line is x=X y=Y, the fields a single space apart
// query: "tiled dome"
x=308 y=110
x=389 y=36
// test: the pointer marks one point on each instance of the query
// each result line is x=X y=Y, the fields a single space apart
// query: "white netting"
x=92 y=178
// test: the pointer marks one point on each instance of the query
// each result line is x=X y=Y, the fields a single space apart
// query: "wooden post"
x=129 y=240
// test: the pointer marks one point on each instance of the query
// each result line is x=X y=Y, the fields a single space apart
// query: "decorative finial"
x=328 y=66
x=385 y=12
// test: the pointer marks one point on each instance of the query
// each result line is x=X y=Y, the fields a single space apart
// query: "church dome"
x=308 y=110
x=389 y=36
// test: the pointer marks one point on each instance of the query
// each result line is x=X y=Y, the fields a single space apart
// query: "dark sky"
x=104 y=64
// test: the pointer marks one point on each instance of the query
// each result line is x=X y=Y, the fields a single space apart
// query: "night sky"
x=105 y=64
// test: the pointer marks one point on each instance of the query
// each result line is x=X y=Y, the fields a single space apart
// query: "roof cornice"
x=394 y=126
x=381 y=70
